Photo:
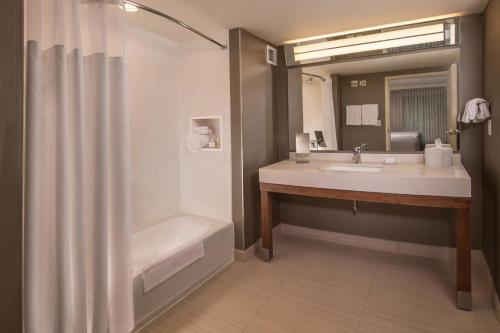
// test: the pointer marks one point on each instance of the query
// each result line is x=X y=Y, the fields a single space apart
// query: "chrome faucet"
x=356 y=158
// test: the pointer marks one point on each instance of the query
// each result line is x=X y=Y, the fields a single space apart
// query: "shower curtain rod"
x=318 y=76
x=176 y=21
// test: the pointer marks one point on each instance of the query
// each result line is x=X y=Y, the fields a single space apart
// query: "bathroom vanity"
x=408 y=182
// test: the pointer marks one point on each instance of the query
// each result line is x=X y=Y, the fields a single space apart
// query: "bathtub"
x=218 y=242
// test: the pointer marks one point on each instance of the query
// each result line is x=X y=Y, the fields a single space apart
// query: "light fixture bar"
x=372 y=46
x=377 y=37
x=378 y=27
x=389 y=39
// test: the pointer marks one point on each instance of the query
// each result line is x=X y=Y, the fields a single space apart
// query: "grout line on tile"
x=270 y=298
x=372 y=280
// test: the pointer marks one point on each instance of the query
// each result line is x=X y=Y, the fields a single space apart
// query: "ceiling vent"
x=271 y=55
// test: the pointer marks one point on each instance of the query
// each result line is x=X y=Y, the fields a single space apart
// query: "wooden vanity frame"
x=461 y=205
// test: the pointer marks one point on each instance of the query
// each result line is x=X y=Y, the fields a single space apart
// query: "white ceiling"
x=280 y=20
x=417 y=60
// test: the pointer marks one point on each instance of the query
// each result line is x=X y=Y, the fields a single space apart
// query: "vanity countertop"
x=400 y=178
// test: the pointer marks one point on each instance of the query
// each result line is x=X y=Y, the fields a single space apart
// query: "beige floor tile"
x=420 y=266
x=266 y=322
x=396 y=317
x=369 y=325
x=342 y=271
x=307 y=315
x=158 y=326
x=188 y=317
x=327 y=293
x=165 y=324
x=292 y=247
x=481 y=279
x=267 y=277
x=485 y=314
x=313 y=286
x=298 y=249
x=330 y=253
x=428 y=292
x=488 y=328
x=237 y=304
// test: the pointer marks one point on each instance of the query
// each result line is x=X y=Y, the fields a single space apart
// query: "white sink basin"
x=354 y=167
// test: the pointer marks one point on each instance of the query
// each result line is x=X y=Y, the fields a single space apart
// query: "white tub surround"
x=161 y=246
x=407 y=182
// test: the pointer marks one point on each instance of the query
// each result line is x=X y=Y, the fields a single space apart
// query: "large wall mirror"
x=396 y=103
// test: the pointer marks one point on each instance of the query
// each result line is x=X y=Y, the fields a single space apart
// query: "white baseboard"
x=419 y=250
x=244 y=255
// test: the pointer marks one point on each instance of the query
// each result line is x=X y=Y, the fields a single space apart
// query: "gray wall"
x=254 y=129
x=470 y=86
x=416 y=225
x=11 y=154
x=373 y=93
x=400 y=223
x=295 y=113
x=491 y=156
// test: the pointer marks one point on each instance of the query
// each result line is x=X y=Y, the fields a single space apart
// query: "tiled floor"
x=312 y=286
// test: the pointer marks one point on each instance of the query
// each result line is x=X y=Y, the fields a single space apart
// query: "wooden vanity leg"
x=266 y=224
x=463 y=243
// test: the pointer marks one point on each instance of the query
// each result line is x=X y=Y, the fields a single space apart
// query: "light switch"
x=489 y=127
x=362 y=83
x=354 y=84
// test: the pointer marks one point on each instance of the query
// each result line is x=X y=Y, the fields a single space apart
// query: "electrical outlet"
x=354 y=84
x=489 y=127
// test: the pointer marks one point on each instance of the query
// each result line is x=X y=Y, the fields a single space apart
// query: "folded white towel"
x=162 y=267
x=198 y=141
x=353 y=115
x=202 y=130
x=476 y=110
x=369 y=114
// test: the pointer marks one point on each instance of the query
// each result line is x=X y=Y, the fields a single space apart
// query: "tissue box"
x=438 y=156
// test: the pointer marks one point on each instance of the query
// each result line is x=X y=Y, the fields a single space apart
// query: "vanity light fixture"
x=371 y=42
x=426 y=20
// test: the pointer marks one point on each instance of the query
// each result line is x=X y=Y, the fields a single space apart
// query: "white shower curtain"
x=328 y=112
x=78 y=274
